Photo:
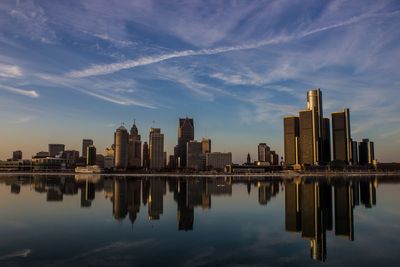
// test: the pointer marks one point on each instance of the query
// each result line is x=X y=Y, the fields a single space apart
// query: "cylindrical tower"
x=121 y=139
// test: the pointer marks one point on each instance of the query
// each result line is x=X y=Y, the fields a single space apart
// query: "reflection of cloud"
x=19 y=253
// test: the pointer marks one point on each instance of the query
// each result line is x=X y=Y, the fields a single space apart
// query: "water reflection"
x=313 y=206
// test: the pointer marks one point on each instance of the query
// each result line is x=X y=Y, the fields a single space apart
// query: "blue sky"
x=77 y=69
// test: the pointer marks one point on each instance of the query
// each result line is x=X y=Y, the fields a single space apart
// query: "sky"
x=78 y=69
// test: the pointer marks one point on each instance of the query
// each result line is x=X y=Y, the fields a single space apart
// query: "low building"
x=218 y=160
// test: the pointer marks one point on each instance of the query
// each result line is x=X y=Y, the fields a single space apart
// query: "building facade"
x=185 y=135
x=342 y=143
x=291 y=139
x=121 y=139
x=134 y=148
x=156 y=149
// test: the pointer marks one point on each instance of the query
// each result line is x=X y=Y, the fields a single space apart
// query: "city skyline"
x=236 y=69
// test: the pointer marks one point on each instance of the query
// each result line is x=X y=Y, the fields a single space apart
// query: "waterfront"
x=192 y=221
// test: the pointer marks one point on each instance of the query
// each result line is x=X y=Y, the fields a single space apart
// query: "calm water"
x=118 y=221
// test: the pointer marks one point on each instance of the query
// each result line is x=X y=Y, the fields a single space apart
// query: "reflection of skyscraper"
x=267 y=190
x=292 y=207
x=341 y=136
x=121 y=148
x=367 y=193
x=185 y=134
x=185 y=215
x=120 y=209
x=344 y=210
x=155 y=199
x=291 y=139
x=156 y=149
x=133 y=200
x=87 y=193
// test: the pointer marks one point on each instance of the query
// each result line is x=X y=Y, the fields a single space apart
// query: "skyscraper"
x=366 y=152
x=121 y=138
x=326 y=141
x=354 y=148
x=85 y=144
x=146 y=156
x=90 y=155
x=185 y=134
x=134 y=148
x=55 y=149
x=156 y=148
x=264 y=154
x=291 y=139
x=308 y=148
x=341 y=137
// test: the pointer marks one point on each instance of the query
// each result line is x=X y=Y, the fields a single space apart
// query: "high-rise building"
x=146 y=156
x=121 y=138
x=90 y=155
x=341 y=136
x=156 y=149
x=134 y=148
x=85 y=144
x=195 y=156
x=354 y=148
x=264 y=153
x=206 y=145
x=366 y=152
x=71 y=157
x=17 y=155
x=291 y=139
x=185 y=134
x=55 y=149
x=308 y=148
x=274 y=160
x=326 y=141
x=248 y=160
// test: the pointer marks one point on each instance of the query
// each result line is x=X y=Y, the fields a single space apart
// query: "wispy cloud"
x=10 y=71
x=103 y=69
x=16 y=254
x=29 y=93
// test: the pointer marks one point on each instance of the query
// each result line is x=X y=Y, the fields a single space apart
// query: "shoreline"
x=277 y=174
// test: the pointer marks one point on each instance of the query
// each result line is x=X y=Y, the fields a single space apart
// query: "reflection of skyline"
x=308 y=208
x=313 y=207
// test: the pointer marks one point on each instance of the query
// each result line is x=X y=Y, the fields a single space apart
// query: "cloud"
x=19 y=253
x=10 y=71
x=103 y=69
x=29 y=93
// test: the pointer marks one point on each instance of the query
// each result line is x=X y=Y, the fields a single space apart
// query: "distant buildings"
x=264 y=153
x=156 y=149
x=146 y=156
x=91 y=155
x=206 y=145
x=307 y=136
x=121 y=138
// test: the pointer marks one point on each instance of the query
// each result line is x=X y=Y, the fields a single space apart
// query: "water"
x=119 y=221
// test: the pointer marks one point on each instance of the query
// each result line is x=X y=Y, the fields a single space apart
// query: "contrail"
x=102 y=69
x=30 y=93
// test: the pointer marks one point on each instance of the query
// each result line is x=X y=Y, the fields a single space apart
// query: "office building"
x=354 y=148
x=91 y=155
x=366 y=153
x=195 y=156
x=56 y=149
x=156 y=149
x=342 y=143
x=121 y=139
x=17 y=155
x=71 y=157
x=264 y=153
x=326 y=141
x=146 y=156
x=185 y=134
x=85 y=144
x=134 y=148
x=291 y=140
x=218 y=160
x=274 y=158
x=308 y=148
